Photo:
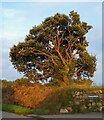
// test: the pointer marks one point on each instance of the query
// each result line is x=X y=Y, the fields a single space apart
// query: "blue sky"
x=19 y=17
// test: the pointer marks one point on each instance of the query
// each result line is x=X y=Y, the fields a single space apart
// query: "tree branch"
x=39 y=52
x=67 y=55
x=75 y=73
x=62 y=59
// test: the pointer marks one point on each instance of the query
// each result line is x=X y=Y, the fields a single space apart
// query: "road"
x=94 y=116
x=84 y=115
x=13 y=116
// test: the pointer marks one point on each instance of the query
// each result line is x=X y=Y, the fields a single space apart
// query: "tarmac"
x=85 y=116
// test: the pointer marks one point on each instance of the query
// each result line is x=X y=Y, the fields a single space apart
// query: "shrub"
x=50 y=99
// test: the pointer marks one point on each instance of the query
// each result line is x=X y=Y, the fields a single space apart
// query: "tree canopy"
x=55 y=49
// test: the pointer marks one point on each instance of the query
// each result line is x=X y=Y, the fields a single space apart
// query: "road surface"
x=84 y=115
x=13 y=116
x=94 y=116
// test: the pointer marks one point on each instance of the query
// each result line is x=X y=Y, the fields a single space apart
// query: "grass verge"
x=22 y=110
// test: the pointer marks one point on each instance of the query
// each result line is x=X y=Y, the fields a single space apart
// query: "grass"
x=22 y=110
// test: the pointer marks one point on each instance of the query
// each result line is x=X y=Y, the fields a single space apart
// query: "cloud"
x=12 y=33
x=95 y=48
x=98 y=73
x=11 y=19
x=9 y=13
x=94 y=38
x=7 y=70
x=13 y=27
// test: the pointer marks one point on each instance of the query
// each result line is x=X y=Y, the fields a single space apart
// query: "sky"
x=18 y=18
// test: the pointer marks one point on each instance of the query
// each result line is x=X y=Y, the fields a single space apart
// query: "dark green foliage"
x=56 y=48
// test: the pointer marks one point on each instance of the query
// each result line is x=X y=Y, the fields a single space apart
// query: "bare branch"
x=76 y=72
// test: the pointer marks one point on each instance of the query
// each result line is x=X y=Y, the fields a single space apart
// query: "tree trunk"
x=66 y=80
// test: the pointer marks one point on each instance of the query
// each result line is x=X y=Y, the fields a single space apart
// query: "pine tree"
x=55 y=49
